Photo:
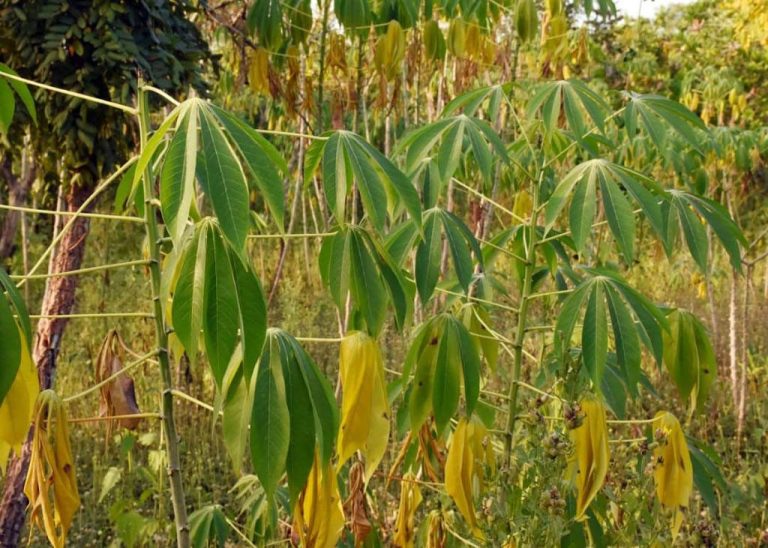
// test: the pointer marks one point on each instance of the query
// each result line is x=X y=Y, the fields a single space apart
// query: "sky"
x=645 y=8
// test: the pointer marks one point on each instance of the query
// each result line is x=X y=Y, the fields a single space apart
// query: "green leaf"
x=460 y=242
x=369 y=185
x=252 y=309
x=17 y=303
x=656 y=112
x=222 y=179
x=152 y=148
x=7 y=106
x=366 y=287
x=189 y=293
x=177 y=177
x=447 y=381
x=10 y=350
x=270 y=421
x=426 y=351
x=582 y=212
x=626 y=339
x=208 y=526
x=695 y=233
x=263 y=160
x=427 y=266
x=235 y=420
x=301 y=449
x=470 y=361
x=620 y=217
x=335 y=265
x=265 y=19
x=337 y=176
x=220 y=321
x=594 y=335
x=22 y=91
x=323 y=402
x=566 y=321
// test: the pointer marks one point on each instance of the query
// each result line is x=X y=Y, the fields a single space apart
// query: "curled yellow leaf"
x=588 y=465
x=464 y=470
x=319 y=516
x=410 y=499
x=364 y=404
x=51 y=484
x=673 y=472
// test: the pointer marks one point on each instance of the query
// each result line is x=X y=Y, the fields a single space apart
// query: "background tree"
x=98 y=49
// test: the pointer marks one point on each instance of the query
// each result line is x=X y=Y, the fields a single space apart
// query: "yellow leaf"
x=18 y=405
x=319 y=517
x=588 y=465
x=410 y=499
x=364 y=406
x=673 y=473
x=462 y=470
x=51 y=484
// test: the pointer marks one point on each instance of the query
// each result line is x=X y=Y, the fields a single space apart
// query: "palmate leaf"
x=265 y=19
x=216 y=292
x=689 y=357
x=573 y=98
x=471 y=101
x=461 y=244
x=208 y=526
x=657 y=115
x=353 y=262
x=617 y=186
x=346 y=157
x=453 y=137
x=264 y=162
x=689 y=208
x=633 y=318
x=11 y=349
x=445 y=357
x=8 y=101
x=294 y=412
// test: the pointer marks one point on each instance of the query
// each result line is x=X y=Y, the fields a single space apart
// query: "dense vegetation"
x=401 y=273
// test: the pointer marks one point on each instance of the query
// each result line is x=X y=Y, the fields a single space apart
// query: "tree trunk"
x=59 y=298
x=18 y=188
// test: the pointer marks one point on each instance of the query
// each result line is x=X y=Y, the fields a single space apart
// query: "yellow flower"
x=588 y=465
x=673 y=472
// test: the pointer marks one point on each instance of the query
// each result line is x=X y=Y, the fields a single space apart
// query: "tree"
x=98 y=49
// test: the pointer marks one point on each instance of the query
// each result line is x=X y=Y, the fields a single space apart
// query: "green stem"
x=522 y=318
x=80 y=271
x=169 y=426
x=321 y=61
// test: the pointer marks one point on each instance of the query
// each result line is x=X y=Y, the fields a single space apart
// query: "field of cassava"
x=383 y=273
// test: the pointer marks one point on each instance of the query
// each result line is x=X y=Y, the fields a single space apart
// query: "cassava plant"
x=524 y=332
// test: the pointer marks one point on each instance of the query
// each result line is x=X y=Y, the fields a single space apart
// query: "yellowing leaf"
x=18 y=405
x=463 y=468
x=410 y=499
x=673 y=473
x=364 y=406
x=51 y=485
x=319 y=517
x=588 y=465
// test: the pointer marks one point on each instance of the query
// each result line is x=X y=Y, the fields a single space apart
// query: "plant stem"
x=522 y=318
x=79 y=271
x=169 y=426
x=321 y=61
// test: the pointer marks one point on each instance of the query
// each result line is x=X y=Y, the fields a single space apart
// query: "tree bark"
x=18 y=188
x=58 y=299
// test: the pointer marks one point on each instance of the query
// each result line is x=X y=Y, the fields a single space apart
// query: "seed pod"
x=457 y=37
x=526 y=20
x=434 y=42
